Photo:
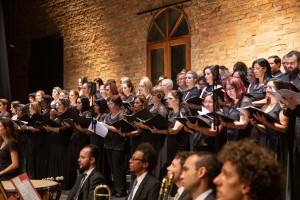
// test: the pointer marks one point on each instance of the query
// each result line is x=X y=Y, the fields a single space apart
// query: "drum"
x=46 y=189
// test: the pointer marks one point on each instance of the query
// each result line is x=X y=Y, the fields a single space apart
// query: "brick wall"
x=107 y=39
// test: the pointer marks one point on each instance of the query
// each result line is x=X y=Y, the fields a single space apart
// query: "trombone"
x=166 y=187
x=106 y=192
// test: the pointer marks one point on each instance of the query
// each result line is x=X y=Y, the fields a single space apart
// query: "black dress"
x=115 y=146
x=233 y=134
x=278 y=144
x=58 y=155
x=5 y=159
x=204 y=142
x=102 y=165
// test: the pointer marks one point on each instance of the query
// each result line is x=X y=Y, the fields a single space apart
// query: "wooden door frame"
x=166 y=45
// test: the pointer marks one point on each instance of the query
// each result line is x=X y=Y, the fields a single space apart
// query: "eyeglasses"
x=136 y=159
x=257 y=68
x=229 y=89
x=170 y=98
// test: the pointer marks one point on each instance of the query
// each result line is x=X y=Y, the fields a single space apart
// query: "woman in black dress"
x=262 y=72
x=177 y=139
x=9 y=160
x=59 y=139
x=235 y=97
x=273 y=135
x=206 y=138
x=114 y=143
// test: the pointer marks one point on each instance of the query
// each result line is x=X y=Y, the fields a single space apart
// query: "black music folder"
x=220 y=114
x=125 y=126
x=284 y=94
x=82 y=121
x=144 y=114
x=286 y=85
x=127 y=104
x=48 y=122
x=253 y=110
x=69 y=113
x=195 y=100
x=201 y=121
x=159 y=122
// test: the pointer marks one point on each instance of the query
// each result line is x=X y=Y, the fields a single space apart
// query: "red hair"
x=238 y=85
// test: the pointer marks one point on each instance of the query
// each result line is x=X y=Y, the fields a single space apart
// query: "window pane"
x=157 y=64
x=155 y=35
x=178 y=60
x=161 y=21
x=174 y=14
x=182 y=29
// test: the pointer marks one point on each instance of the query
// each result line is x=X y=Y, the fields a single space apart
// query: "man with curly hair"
x=249 y=172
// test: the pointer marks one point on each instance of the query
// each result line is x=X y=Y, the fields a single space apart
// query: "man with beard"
x=292 y=67
x=292 y=76
x=87 y=181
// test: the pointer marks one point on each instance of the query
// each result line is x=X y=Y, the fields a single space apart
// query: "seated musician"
x=199 y=171
x=87 y=181
x=145 y=186
x=176 y=168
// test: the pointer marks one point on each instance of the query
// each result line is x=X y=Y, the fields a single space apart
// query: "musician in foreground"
x=199 y=171
x=142 y=163
x=87 y=181
x=175 y=169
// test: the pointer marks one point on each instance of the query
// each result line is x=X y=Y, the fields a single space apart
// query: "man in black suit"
x=145 y=186
x=176 y=169
x=293 y=76
x=199 y=171
x=87 y=181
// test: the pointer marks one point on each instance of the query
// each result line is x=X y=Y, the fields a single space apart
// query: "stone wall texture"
x=107 y=39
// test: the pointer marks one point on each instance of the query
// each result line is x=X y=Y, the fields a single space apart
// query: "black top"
x=233 y=113
x=258 y=92
x=5 y=159
x=193 y=92
x=113 y=140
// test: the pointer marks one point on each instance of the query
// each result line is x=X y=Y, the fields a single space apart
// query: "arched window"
x=168 y=47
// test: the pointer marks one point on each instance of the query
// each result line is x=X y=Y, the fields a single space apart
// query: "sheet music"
x=101 y=130
x=25 y=188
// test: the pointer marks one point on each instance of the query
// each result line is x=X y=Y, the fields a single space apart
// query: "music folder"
x=144 y=114
x=224 y=117
x=195 y=100
x=69 y=113
x=48 y=122
x=158 y=121
x=201 y=121
x=284 y=94
x=125 y=126
x=127 y=104
x=253 y=110
x=286 y=85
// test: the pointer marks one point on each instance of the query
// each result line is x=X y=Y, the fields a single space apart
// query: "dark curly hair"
x=255 y=166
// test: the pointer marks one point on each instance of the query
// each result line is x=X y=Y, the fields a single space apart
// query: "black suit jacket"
x=148 y=189
x=87 y=189
x=185 y=196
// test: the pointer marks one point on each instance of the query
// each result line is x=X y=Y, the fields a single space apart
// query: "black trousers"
x=116 y=160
